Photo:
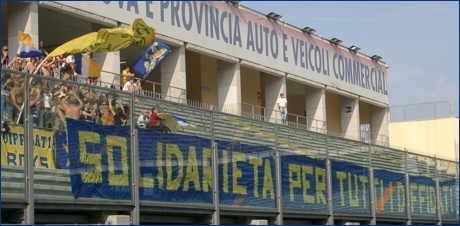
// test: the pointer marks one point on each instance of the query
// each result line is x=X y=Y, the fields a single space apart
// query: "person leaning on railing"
x=143 y=119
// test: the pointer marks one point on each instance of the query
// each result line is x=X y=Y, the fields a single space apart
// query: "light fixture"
x=274 y=16
x=309 y=30
x=122 y=61
x=336 y=41
x=354 y=49
x=376 y=58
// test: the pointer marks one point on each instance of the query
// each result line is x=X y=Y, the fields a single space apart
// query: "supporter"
x=117 y=111
x=23 y=66
x=109 y=112
x=156 y=123
x=88 y=113
x=7 y=106
x=126 y=110
x=143 y=119
x=5 y=59
x=139 y=87
x=17 y=96
x=72 y=106
x=14 y=64
x=70 y=58
x=57 y=112
x=46 y=67
x=55 y=67
x=126 y=74
x=42 y=49
x=282 y=106
x=46 y=98
x=97 y=116
x=90 y=95
x=38 y=113
x=130 y=86
x=32 y=65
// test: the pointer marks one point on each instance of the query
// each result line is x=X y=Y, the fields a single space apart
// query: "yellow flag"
x=109 y=39
x=25 y=38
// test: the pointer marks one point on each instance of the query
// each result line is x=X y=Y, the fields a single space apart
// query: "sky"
x=419 y=41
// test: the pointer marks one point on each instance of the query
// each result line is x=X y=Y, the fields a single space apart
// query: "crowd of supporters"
x=54 y=100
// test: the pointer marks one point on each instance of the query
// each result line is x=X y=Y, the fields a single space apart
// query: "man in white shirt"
x=282 y=106
x=70 y=58
x=130 y=86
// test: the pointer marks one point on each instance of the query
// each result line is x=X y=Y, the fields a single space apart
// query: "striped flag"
x=87 y=67
x=26 y=46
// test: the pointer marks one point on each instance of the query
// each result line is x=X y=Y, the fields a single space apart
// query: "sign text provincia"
x=224 y=28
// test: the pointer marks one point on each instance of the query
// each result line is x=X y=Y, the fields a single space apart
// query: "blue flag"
x=149 y=59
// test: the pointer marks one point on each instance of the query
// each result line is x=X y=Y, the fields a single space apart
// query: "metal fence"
x=322 y=163
x=432 y=110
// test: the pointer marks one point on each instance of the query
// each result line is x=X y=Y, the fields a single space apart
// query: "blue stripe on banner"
x=78 y=63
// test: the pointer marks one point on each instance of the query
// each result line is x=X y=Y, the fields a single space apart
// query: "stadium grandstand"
x=134 y=112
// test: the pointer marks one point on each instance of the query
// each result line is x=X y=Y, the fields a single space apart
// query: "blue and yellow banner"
x=178 y=168
x=13 y=147
x=150 y=59
x=99 y=160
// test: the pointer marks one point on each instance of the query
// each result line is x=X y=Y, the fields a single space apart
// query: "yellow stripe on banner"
x=109 y=39
x=25 y=38
x=13 y=147
x=94 y=70
x=89 y=68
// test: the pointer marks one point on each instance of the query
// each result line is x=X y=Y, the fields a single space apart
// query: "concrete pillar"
x=274 y=86
x=349 y=113
x=173 y=76
x=110 y=68
x=22 y=16
x=229 y=85
x=380 y=124
x=316 y=108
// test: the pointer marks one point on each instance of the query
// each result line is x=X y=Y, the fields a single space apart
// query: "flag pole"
x=30 y=81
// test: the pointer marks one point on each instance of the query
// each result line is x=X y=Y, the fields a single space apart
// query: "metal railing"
x=179 y=95
x=293 y=120
x=432 y=110
x=255 y=112
x=276 y=138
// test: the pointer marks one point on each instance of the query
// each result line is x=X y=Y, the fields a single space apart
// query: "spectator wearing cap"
x=143 y=119
x=5 y=59
x=130 y=86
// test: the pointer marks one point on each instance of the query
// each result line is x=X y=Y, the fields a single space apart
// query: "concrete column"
x=173 y=76
x=22 y=16
x=110 y=68
x=316 y=108
x=349 y=113
x=229 y=86
x=274 y=86
x=380 y=124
